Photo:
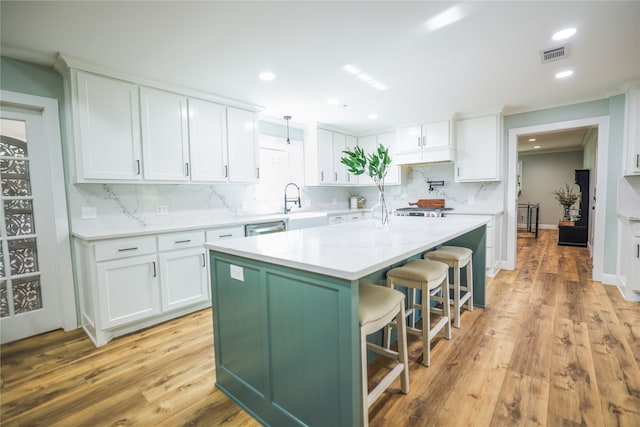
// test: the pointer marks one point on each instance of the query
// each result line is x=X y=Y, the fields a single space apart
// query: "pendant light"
x=287 y=118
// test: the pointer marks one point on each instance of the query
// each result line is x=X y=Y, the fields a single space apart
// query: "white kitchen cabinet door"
x=242 y=142
x=369 y=144
x=325 y=156
x=339 y=175
x=634 y=273
x=107 y=126
x=478 y=149
x=165 y=135
x=632 y=132
x=351 y=142
x=128 y=290
x=183 y=278
x=409 y=139
x=436 y=135
x=389 y=140
x=207 y=141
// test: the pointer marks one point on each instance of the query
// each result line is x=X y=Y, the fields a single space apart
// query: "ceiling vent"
x=555 y=54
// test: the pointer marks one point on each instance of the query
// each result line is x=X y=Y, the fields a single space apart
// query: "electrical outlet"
x=162 y=210
x=89 y=212
x=471 y=200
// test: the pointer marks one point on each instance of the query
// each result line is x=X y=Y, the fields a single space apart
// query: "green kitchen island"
x=285 y=311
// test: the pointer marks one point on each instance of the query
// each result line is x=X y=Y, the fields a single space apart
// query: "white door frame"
x=602 y=122
x=51 y=123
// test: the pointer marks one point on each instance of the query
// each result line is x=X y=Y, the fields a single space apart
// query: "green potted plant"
x=376 y=165
x=566 y=197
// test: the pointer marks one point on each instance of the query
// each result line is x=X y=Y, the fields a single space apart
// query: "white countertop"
x=352 y=250
x=95 y=230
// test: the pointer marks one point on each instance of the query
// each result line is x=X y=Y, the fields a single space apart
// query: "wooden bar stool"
x=457 y=258
x=432 y=278
x=378 y=307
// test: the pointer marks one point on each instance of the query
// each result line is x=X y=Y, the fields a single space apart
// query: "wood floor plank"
x=552 y=348
x=574 y=397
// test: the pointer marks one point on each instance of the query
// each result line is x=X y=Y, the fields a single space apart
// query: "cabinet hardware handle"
x=203 y=261
x=226 y=171
x=258 y=173
x=321 y=176
x=419 y=141
x=638 y=250
x=424 y=141
x=135 y=248
x=638 y=160
x=335 y=176
x=154 y=268
x=137 y=167
x=186 y=166
x=224 y=235
x=348 y=178
x=183 y=241
x=458 y=171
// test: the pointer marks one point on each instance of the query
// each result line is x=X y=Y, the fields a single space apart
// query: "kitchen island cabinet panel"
x=296 y=357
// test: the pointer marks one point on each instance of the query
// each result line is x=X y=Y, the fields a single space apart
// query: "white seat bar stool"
x=378 y=306
x=457 y=258
x=432 y=278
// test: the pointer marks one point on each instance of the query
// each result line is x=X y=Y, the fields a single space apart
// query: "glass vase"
x=567 y=213
x=380 y=212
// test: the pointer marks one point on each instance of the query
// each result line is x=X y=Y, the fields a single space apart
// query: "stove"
x=428 y=212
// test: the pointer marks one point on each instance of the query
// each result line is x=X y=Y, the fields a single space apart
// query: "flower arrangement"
x=566 y=196
x=376 y=165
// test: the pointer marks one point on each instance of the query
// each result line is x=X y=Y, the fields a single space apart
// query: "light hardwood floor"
x=553 y=348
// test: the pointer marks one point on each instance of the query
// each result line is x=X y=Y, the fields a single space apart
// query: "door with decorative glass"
x=29 y=294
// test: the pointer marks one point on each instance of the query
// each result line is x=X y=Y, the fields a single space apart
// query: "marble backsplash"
x=134 y=205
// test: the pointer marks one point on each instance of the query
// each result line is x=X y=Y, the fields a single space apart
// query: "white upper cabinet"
x=632 y=132
x=323 y=151
x=207 y=141
x=431 y=142
x=370 y=145
x=478 y=145
x=107 y=128
x=242 y=140
x=165 y=135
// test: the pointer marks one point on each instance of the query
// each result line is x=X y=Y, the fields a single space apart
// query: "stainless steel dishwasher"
x=265 y=228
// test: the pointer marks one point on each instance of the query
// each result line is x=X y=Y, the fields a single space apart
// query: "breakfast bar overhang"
x=285 y=311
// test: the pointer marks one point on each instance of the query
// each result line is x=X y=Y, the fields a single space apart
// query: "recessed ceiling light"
x=564 y=74
x=267 y=76
x=449 y=16
x=364 y=77
x=378 y=85
x=333 y=101
x=531 y=139
x=536 y=146
x=351 y=69
x=373 y=116
x=564 y=34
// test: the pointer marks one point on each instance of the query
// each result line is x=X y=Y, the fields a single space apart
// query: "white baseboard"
x=609 y=279
x=548 y=226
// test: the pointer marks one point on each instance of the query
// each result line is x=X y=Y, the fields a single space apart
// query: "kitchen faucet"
x=294 y=200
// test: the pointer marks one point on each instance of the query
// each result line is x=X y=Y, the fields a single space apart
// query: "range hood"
x=436 y=155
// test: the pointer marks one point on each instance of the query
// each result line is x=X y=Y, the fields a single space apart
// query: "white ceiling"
x=487 y=61
x=552 y=142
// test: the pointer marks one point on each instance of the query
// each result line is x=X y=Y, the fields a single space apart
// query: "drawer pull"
x=182 y=241
x=138 y=167
x=221 y=236
x=135 y=248
x=226 y=171
x=203 y=261
x=154 y=268
x=638 y=250
x=186 y=166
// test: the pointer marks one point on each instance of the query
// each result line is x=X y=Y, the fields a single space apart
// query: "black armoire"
x=578 y=234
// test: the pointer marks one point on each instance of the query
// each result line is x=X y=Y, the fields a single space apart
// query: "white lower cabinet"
x=628 y=263
x=493 y=241
x=183 y=278
x=131 y=283
x=128 y=290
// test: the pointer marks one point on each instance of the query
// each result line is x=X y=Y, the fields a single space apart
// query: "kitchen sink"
x=300 y=220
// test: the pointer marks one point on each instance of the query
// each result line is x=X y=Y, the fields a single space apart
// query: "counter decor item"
x=566 y=197
x=376 y=165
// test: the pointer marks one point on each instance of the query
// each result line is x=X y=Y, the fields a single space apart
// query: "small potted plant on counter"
x=376 y=165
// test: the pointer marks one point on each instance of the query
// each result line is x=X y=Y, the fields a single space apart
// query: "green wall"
x=612 y=107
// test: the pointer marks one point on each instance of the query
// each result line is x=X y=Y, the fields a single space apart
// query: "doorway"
x=599 y=193
x=35 y=259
